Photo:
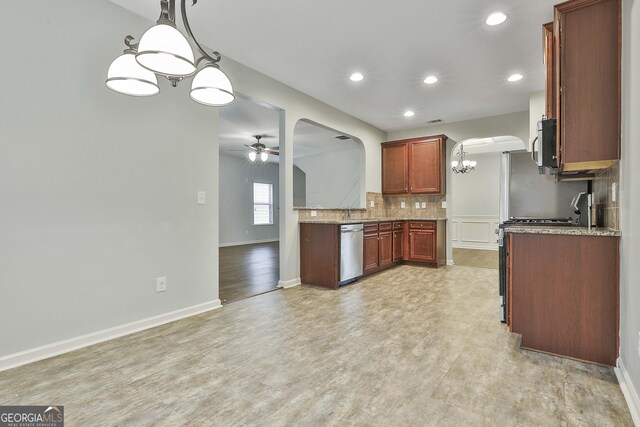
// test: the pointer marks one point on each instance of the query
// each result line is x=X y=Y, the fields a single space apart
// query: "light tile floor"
x=409 y=346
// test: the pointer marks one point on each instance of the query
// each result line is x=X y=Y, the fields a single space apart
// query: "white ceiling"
x=315 y=46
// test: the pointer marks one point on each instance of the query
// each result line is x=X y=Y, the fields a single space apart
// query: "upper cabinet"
x=414 y=166
x=586 y=80
x=549 y=70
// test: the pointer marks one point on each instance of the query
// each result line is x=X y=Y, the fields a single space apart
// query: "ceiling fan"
x=259 y=150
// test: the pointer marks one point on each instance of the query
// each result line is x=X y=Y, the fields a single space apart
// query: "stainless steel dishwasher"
x=351 y=252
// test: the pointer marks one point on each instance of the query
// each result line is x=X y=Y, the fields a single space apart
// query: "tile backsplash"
x=385 y=207
x=604 y=195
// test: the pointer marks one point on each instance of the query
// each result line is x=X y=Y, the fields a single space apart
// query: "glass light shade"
x=252 y=156
x=212 y=87
x=126 y=76
x=264 y=156
x=454 y=164
x=473 y=163
x=466 y=163
x=164 y=50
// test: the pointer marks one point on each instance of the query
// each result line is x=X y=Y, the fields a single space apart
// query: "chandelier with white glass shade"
x=463 y=165
x=164 y=51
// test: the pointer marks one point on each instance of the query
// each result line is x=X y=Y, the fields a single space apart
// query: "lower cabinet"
x=386 y=244
x=427 y=242
x=566 y=302
x=371 y=253
x=398 y=244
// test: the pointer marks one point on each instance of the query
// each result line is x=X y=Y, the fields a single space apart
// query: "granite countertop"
x=304 y=208
x=566 y=231
x=364 y=221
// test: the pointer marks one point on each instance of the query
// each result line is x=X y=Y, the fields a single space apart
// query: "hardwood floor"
x=410 y=346
x=475 y=258
x=248 y=270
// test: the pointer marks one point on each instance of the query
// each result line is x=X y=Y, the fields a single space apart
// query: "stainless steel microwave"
x=544 y=146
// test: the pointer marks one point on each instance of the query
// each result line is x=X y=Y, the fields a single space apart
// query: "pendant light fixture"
x=165 y=51
x=463 y=165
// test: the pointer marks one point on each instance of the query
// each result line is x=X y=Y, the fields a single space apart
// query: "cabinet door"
x=425 y=167
x=371 y=244
x=589 y=82
x=550 y=75
x=386 y=249
x=398 y=245
x=395 y=168
x=422 y=245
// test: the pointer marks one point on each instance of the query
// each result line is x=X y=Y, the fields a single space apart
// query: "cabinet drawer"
x=398 y=225
x=385 y=226
x=422 y=225
x=371 y=228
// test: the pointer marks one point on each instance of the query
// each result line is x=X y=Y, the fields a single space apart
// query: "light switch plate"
x=161 y=284
x=424 y=205
x=314 y=213
x=417 y=205
x=444 y=205
x=202 y=197
x=403 y=205
x=372 y=204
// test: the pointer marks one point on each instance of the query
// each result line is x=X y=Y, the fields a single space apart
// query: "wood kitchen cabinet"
x=398 y=241
x=563 y=294
x=549 y=70
x=587 y=83
x=414 y=166
x=427 y=242
x=320 y=255
x=385 y=248
x=371 y=248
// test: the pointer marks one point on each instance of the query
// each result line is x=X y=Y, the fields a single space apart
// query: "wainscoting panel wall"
x=474 y=232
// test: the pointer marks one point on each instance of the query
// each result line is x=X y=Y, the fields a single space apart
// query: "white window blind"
x=262 y=203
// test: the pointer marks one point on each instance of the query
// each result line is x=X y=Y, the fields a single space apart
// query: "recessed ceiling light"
x=515 y=77
x=409 y=113
x=356 y=77
x=496 y=18
x=430 y=80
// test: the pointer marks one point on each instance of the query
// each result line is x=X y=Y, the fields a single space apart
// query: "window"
x=262 y=204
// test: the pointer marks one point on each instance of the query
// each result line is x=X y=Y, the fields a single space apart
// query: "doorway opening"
x=476 y=199
x=249 y=254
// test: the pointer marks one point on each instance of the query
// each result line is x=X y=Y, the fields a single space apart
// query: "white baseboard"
x=249 y=242
x=629 y=391
x=71 y=344
x=476 y=246
x=450 y=262
x=286 y=284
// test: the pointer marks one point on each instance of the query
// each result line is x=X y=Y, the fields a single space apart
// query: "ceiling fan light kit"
x=165 y=51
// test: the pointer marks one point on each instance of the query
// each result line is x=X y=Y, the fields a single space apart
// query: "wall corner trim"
x=50 y=350
x=286 y=284
x=629 y=391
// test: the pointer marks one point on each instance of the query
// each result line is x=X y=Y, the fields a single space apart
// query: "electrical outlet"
x=424 y=205
x=403 y=205
x=161 y=284
x=417 y=205
x=246 y=232
x=372 y=204
x=444 y=205
x=314 y=213
x=202 y=197
x=614 y=196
